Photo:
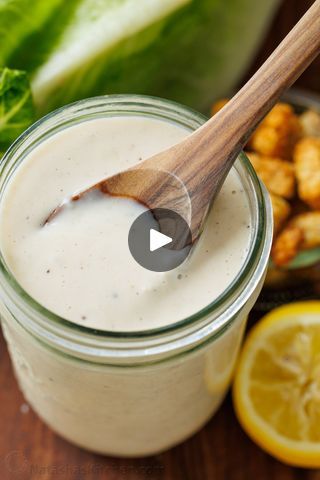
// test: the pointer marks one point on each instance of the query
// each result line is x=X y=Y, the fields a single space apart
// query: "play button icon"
x=159 y=240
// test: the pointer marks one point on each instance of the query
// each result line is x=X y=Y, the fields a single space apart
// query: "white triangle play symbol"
x=158 y=240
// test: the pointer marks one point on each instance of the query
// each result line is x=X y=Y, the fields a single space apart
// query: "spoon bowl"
x=187 y=177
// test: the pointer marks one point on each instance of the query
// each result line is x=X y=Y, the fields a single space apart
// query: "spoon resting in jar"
x=187 y=177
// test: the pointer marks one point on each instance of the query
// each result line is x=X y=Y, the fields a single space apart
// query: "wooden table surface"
x=220 y=451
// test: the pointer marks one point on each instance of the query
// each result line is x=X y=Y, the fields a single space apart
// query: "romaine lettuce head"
x=192 y=51
x=21 y=18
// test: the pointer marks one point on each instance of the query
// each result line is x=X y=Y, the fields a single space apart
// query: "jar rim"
x=167 y=109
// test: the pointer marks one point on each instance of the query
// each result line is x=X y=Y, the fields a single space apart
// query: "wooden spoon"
x=187 y=177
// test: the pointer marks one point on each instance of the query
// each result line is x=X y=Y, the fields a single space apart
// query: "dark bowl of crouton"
x=285 y=152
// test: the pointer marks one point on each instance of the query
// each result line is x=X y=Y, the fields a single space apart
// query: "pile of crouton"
x=285 y=152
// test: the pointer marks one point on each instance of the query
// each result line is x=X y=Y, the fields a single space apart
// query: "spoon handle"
x=220 y=140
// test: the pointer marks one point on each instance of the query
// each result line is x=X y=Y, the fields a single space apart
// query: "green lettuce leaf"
x=16 y=106
x=191 y=51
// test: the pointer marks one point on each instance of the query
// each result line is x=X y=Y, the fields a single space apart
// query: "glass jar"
x=120 y=393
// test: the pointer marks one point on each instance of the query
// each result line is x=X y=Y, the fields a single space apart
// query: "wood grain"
x=288 y=15
x=187 y=177
x=221 y=451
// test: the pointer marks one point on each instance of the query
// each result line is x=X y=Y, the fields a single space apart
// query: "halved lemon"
x=276 y=390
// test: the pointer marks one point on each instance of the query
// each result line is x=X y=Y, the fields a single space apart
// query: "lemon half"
x=276 y=391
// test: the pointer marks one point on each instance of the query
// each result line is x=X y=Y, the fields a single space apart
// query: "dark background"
x=289 y=13
x=221 y=451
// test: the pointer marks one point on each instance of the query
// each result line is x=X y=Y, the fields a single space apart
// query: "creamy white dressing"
x=79 y=266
